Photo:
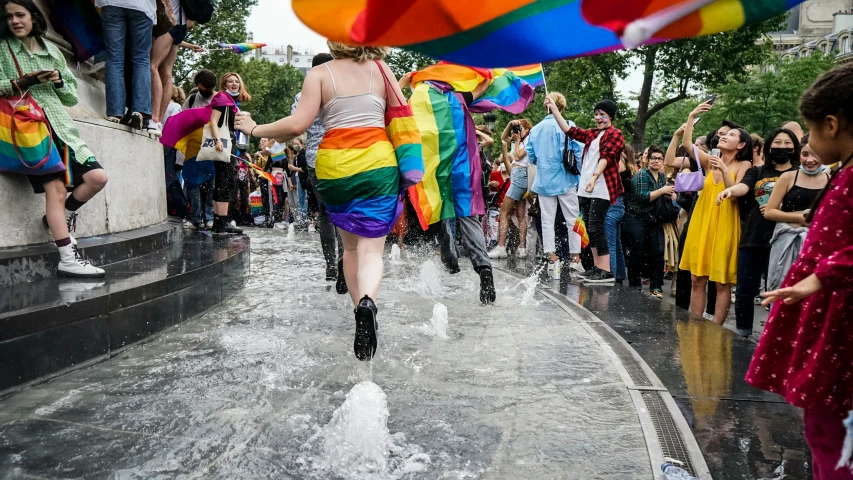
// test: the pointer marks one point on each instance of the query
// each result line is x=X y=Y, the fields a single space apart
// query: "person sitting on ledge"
x=54 y=87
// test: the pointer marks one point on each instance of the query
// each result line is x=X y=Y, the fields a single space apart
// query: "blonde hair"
x=359 y=54
x=559 y=100
x=178 y=95
x=244 y=94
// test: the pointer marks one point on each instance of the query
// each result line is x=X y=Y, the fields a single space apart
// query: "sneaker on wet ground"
x=72 y=264
x=498 y=252
x=136 y=120
x=592 y=271
x=576 y=268
x=601 y=277
x=331 y=273
x=487 y=287
x=188 y=225
x=657 y=293
x=521 y=253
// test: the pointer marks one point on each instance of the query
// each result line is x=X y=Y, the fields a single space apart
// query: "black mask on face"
x=205 y=93
x=780 y=156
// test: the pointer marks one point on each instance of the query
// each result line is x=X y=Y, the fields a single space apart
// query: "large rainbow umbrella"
x=507 y=33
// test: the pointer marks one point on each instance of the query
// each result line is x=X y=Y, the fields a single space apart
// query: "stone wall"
x=135 y=196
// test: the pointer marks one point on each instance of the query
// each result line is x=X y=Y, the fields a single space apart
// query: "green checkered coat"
x=53 y=100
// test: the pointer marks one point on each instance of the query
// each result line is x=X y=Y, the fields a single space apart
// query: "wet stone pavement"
x=266 y=386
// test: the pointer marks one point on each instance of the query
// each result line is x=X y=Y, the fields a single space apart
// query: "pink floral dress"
x=806 y=351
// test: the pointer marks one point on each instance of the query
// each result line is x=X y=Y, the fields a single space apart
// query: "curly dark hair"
x=39 y=21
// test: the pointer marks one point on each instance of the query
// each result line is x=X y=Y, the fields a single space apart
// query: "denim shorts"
x=518 y=183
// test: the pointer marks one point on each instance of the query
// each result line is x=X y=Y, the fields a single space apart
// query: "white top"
x=149 y=7
x=351 y=111
x=588 y=166
x=172 y=109
x=523 y=162
x=180 y=19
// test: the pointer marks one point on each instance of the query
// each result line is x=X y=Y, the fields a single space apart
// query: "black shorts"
x=77 y=172
x=178 y=33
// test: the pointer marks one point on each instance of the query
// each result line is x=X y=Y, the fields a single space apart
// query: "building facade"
x=284 y=55
x=818 y=25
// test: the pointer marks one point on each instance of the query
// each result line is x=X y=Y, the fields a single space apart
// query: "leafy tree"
x=683 y=66
x=273 y=88
x=403 y=61
x=228 y=25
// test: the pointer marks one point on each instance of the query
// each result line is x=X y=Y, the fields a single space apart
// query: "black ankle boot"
x=366 y=325
x=487 y=286
x=341 y=283
x=222 y=226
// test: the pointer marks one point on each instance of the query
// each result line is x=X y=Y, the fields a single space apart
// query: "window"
x=280 y=59
x=825 y=48
x=845 y=45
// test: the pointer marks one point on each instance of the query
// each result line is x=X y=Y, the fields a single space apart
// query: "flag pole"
x=544 y=82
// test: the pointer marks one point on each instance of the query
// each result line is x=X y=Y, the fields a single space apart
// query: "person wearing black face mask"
x=205 y=82
x=782 y=154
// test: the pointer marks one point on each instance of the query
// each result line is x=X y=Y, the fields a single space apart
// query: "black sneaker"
x=600 y=277
x=487 y=286
x=452 y=269
x=331 y=273
x=136 y=121
x=589 y=272
x=341 y=281
x=366 y=325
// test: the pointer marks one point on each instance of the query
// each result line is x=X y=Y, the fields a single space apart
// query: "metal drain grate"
x=671 y=441
x=638 y=376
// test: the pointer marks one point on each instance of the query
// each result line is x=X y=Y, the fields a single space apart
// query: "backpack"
x=199 y=11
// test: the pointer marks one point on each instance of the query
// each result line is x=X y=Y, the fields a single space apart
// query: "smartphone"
x=711 y=99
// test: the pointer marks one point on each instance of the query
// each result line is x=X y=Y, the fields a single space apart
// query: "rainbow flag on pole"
x=532 y=74
x=523 y=32
x=242 y=47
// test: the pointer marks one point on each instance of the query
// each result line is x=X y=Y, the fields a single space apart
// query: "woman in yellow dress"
x=710 y=251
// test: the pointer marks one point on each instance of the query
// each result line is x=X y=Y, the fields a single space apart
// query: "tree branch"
x=660 y=106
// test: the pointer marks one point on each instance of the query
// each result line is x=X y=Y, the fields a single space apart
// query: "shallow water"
x=267 y=386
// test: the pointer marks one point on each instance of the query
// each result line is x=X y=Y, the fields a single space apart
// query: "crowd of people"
x=717 y=214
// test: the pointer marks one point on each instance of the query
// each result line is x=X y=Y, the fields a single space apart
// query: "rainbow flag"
x=532 y=74
x=183 y=132
x=580 y=229
x=452 y=184
x=265 y=175
x=242 y=47
x=523 y=32
x=461 y=78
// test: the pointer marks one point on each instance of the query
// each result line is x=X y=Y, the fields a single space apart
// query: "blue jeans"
x=613 y=231
x=123 y=28
x=302 y=197
x=202 y=195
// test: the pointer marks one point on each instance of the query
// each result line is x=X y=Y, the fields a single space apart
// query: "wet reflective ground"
x=266 y=386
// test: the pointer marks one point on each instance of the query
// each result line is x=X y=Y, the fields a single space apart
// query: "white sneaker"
x=71 y=264
x=209 y=224
x=576 y=268
x=521 y=253
x=188 y=225
x=311 y=228
x=498 y=252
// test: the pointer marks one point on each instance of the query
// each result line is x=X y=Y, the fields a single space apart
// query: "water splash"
x=395 y=254
x=438 y=323
x=529 y=284
x=357 y=439
x=291 y=232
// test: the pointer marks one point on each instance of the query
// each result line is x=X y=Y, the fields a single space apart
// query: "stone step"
x=35 y=262
x=52 y=324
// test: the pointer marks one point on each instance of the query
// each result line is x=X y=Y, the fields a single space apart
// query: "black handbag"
x=663 y=211
x=570 y=162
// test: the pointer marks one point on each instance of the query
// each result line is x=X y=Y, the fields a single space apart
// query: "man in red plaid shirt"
x=600 y=183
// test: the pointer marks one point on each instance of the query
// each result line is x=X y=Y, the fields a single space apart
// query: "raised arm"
x=687 y=142
x=296 y=124
x=487 y=140
x=671 y=160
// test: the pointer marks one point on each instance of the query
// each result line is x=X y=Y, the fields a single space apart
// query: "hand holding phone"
x=715 y=152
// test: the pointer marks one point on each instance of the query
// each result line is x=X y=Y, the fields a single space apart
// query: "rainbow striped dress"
x=357 y=173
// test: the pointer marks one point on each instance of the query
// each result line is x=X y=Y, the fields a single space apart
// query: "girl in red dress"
x=806 y=351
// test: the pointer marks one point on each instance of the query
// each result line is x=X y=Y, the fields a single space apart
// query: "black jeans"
x=593 y=211
x=644 y=251
x=329 y=235
x=751 y=265
x=225 y=184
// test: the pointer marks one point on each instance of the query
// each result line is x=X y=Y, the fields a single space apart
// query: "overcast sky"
x=274 y=23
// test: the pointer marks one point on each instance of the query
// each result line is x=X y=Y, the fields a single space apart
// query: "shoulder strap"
x=388 y=86
x=192 y=99
x=370 y=83
x=333 y=78
x=14 y=58
x=696 y=157
x=796 y=176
